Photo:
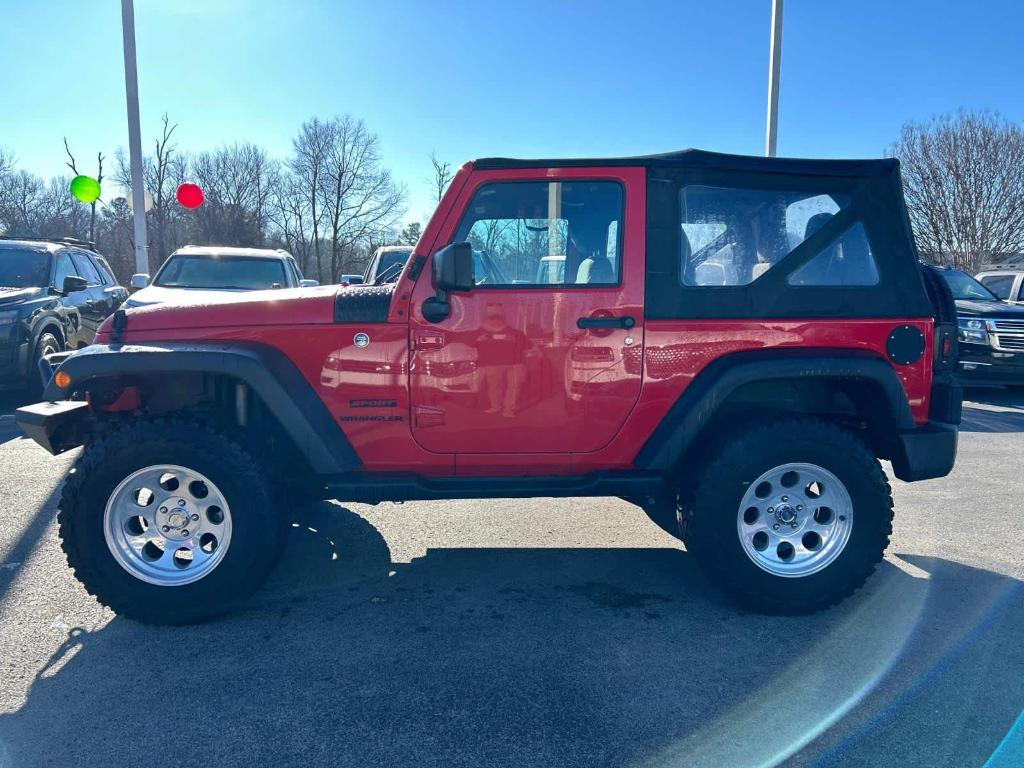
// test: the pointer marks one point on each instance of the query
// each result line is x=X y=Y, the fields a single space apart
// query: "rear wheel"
x=169 y=522
x=791 y=517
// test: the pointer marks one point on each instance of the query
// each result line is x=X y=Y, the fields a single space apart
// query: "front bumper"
x=14 y=364
x=56 y=426
x=981 y=365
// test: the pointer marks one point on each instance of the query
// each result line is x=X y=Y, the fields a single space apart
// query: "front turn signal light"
x=62 y=379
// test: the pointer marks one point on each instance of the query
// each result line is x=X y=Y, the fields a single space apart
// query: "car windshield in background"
x=23 y=268
x=235 y=272
x=389 y=259
x=963 y=286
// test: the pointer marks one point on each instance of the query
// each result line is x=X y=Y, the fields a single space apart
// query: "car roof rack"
x=66 y=240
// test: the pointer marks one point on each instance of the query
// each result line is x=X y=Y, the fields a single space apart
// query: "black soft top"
x=698 y=158
x=875 y=195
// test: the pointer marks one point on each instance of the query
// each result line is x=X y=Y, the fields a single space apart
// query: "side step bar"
x=371 y=488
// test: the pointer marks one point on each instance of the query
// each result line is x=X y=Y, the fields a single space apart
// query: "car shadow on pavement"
x=9 y=402
x=555 y=656
x=993 y=410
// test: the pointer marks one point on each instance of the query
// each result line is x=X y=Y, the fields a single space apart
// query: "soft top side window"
x=540 y=233
x=847 y=260
x=732 y=236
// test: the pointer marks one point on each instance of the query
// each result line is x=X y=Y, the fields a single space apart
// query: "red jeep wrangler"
x=731 y=343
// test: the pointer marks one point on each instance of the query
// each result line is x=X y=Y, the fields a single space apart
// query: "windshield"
x=963 y=286
x=389 y=258
x=217 y=272
x=23 y=268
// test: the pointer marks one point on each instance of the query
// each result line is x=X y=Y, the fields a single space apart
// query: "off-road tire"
x=46 y=344
x=712 y=528
x=258 y=530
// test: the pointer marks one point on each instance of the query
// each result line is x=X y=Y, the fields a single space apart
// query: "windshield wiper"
x=391 y=272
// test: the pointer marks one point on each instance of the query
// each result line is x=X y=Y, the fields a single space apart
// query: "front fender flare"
x=267 y=371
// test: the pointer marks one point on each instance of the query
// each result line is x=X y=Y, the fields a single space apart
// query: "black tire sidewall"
x=35 y=380
x=256 y=531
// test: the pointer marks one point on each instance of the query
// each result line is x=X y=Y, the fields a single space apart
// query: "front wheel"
x=169 y=522
x=791 y=517
x=47 y=344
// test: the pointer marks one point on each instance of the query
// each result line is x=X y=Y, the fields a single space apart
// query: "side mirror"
x=453 y=271
x=73 y=284
x=139 y=281
x=453 y=268
x=308 y=283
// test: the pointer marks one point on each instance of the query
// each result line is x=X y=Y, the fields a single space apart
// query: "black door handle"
x=626 y=321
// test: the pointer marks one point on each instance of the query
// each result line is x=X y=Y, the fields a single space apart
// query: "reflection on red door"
x=509 y=371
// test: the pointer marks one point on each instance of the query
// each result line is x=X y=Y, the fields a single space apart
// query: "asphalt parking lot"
x=544 y=632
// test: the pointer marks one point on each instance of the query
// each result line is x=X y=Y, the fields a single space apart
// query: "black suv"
x=991 y=333
x=53 y=296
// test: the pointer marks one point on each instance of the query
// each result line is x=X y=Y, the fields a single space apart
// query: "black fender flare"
x=46 y=322
x=266 y=370
x=43 y=321
x=700 y=401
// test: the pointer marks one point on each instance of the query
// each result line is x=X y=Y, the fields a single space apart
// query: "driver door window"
x=64 y=269
x=561 y=233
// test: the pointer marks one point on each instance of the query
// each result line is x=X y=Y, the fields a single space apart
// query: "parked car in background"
x=351 y=279
x=1007 y=284
x=388 y=259
x=990 y=333
x=53 y=296
x=196 y=273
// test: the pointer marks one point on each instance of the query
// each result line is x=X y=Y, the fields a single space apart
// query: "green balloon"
x=85 y=189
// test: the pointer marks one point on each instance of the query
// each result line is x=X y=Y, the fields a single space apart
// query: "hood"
x=226 y=309
x=16 y=295
x=155 y=294
x=989 y=309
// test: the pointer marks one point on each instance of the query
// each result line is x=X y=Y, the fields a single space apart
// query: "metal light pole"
x=131 y=88
x=774 y=67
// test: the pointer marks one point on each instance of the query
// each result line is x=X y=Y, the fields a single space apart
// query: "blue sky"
x=470 y=79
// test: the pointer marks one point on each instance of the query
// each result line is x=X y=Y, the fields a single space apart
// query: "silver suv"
x=1007 y=284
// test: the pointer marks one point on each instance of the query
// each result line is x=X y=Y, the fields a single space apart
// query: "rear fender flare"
x=701 y=400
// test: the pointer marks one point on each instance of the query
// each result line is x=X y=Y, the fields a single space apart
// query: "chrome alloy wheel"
x=795 y=519
x=167 y=525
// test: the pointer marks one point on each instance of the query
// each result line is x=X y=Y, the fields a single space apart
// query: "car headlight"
x=972 y=330
x=10 y=317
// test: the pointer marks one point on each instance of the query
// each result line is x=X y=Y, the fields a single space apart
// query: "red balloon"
x=190 y=195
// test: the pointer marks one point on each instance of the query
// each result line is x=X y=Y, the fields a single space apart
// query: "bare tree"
x=99 y=179
x=442 y=176
x=236 y=184
x=963 y=178
x=359 y=198
x=160 y=179
x=310 y=155
x=6 y=176
x=166 y=222
x=23 y=204
x=287 y=212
